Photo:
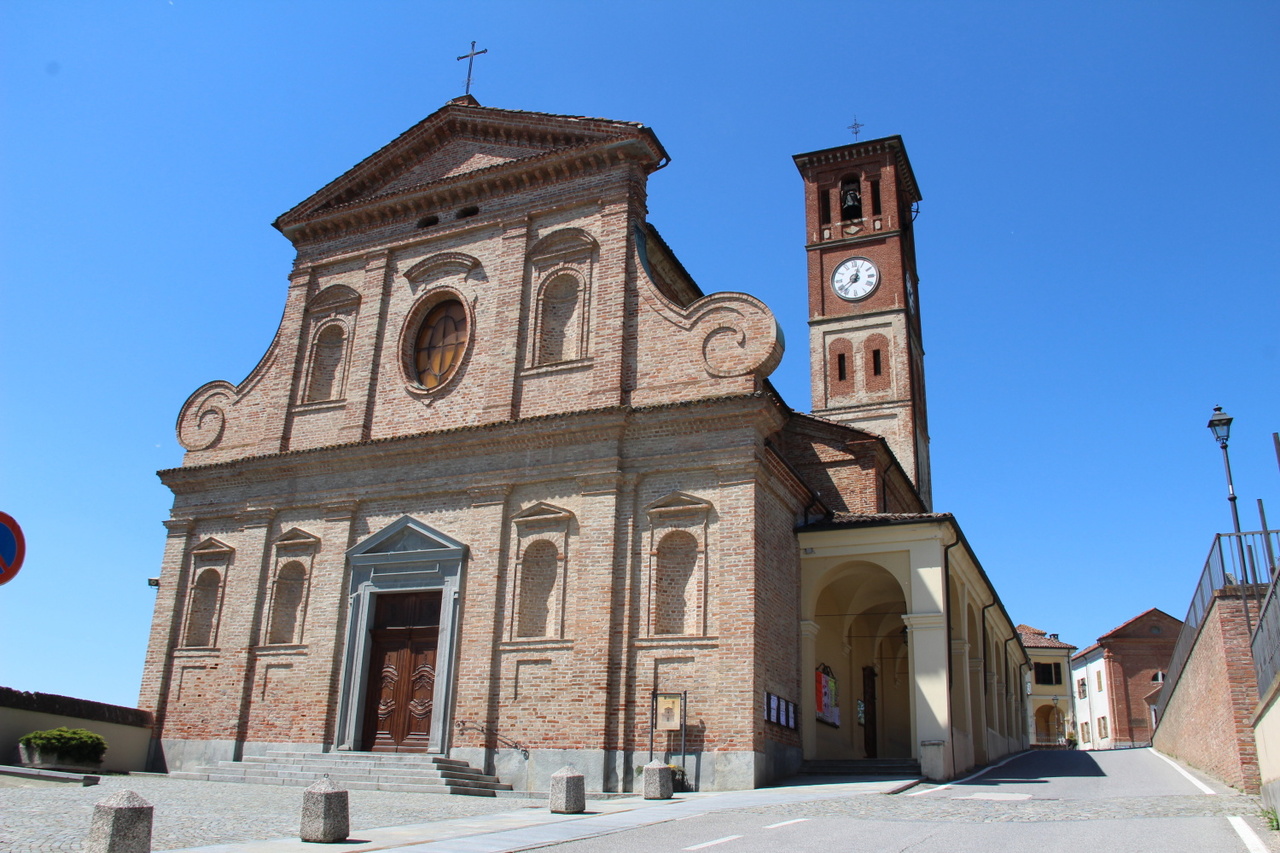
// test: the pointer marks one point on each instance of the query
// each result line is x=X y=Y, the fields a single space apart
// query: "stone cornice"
x=891 y=145
x=584 y=425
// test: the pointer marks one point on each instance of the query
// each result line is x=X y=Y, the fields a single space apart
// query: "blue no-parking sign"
x=13 y=548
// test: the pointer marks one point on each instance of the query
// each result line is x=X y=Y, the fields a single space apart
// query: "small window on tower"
x=875 y=196
x=841 y=373
x=824 y=207
x=876 y=368
x=851 y=198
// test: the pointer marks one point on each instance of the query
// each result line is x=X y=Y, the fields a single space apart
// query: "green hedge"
x=76 y=745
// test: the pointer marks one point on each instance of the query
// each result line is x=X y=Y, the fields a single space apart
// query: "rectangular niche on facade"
x=676 y=568
x=406 y=556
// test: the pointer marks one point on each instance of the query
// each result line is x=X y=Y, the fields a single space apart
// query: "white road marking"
x=1250 y=838
x=965 y=779
x=1194 y=781
x=995 y=795
x=709 y=843
x=786 y=823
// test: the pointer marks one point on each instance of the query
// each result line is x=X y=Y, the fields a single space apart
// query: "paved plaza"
x=215 y=817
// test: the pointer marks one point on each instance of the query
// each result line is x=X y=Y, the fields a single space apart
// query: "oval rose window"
x=442 y=340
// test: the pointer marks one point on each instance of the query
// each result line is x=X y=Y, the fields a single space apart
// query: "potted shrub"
x=62 y=749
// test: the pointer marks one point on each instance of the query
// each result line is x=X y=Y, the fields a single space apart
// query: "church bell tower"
x=866 y=357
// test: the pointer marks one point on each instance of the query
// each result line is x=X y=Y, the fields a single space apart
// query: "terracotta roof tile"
x=1034 y=638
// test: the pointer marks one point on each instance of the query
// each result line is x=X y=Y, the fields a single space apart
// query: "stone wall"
x=126 y=730
x=1207 y=721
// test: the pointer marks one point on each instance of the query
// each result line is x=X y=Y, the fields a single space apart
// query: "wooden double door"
x=400 y=692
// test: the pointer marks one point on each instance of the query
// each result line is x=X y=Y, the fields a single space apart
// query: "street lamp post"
x=1220 y=425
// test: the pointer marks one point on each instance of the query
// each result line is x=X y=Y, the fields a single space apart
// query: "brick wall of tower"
x=1207 y=719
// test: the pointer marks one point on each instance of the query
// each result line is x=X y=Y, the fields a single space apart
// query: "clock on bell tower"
x=866 y=357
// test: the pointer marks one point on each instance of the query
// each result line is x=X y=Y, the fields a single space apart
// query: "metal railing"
x=1266 y=633
x=1243 y=563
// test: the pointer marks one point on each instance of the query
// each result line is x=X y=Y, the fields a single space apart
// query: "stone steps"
x=357 y=771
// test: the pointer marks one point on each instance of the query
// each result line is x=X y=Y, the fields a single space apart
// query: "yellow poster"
x=669 y=715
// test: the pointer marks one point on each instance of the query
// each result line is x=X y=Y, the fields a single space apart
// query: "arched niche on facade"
x=404 y=558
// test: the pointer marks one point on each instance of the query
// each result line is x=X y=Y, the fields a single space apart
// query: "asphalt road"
x=1132 y=801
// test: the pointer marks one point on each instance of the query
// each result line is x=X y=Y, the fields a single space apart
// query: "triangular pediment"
x=405 y=536
x=542 y=512
x=1150 y=624
x=457 y=157
x=459 y=142
x=212 y=547
x=297 y=537
x=678 y=502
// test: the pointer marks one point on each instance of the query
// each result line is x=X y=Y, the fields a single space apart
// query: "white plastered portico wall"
x=880 y=592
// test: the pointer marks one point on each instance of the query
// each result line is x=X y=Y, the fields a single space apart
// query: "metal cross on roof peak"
x=471 y=59
x=855 y=127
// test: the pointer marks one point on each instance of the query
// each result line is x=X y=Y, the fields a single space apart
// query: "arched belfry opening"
x=861 y=658
x=397 y=674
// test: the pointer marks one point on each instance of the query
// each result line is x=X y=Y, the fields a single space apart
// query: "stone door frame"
x=376 y=571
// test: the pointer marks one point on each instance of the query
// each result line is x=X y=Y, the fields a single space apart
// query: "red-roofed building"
x=1048 y=691
x=1115 y=681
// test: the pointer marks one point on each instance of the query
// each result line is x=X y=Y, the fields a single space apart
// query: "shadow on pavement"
x=1039 y=766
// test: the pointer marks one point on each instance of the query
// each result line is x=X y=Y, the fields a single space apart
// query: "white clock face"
x=855 y=278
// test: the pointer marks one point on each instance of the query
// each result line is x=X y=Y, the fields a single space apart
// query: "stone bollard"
x=932 y=758
x=121 y=824
x=326 y=813
x=568 y=792
x=657 y=781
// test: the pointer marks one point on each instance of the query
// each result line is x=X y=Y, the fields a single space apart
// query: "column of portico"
x=927 y=642
x=808 y=665
x=961 y=716
x=929 y=655
x=977 y=712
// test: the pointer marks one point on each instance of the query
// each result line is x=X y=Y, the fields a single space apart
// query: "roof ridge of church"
x=601 y=119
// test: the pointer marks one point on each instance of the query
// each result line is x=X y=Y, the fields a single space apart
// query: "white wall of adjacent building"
x=1092 y=710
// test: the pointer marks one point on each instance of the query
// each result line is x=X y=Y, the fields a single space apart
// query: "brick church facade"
x=505 y=472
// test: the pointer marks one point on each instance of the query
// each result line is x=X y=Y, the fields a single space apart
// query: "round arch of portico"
x=854 y=632
x=815 y=583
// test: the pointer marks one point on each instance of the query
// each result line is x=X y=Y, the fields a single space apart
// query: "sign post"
x=668 y=713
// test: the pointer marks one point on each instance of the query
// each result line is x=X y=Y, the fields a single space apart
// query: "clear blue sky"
x=1097 y=250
